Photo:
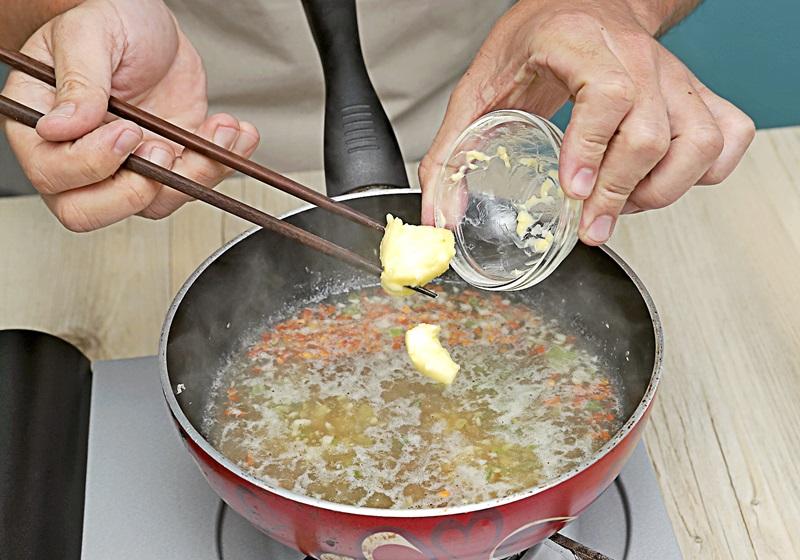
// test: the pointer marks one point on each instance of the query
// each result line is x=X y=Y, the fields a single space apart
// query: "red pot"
x=603 y=290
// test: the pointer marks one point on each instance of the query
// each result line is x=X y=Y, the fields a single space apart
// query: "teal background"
x=746 y=51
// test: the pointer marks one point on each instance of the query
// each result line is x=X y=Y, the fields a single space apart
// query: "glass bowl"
x=499 y=192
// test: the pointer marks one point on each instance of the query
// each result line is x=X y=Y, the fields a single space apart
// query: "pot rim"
x=202 y=443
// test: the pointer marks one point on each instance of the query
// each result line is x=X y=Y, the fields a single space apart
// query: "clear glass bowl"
x=499 y=192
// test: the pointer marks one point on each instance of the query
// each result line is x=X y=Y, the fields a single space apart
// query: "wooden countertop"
x=723 y=265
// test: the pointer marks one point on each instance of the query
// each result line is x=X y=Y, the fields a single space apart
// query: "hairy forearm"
x=22 y=17
x=658 y=16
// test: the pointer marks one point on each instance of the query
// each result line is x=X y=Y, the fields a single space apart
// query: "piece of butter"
x=428 y=355
x=413 y=255
x=535 y=200
x=532 y=162
x=475 y=155
x=524 y=222
x=502 y=153
x=458 y=175
x=547 y=184
x=541 y=245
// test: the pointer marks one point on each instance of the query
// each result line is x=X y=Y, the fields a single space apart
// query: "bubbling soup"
x=326 y=403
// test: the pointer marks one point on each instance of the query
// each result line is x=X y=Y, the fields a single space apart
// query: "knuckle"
x=715 y=175
x=648 y=143
x=707 y=141
x=42 y=181
x=74 y=84
x=425 y=165
x=74 y=217
x=93 y=166
x=616 y=192
x=136 y=194
x=744 y=128
x=593 y=144
x=657 y=199
x=224 y=119
x=149 y=214
x=426 y=170
x=617 y=88
x=208 y=174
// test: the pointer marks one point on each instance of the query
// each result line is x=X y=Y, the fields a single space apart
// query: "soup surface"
x=327 y=404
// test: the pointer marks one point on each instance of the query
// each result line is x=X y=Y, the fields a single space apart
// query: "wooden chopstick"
x=27 y=116
x=30 y=117
x=45 y=73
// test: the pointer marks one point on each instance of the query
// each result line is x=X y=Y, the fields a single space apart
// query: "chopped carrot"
x=443 y=493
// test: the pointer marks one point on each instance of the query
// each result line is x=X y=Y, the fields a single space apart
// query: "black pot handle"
x=361 y=150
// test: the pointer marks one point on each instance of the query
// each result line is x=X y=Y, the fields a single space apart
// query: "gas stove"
x=146 y=500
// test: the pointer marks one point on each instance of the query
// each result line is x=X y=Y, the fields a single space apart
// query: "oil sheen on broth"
x=326 y=403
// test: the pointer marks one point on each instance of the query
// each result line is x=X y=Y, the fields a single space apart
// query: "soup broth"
x=327 y=404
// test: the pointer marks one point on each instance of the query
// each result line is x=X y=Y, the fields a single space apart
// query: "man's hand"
x=134 y=50
x=643 y=129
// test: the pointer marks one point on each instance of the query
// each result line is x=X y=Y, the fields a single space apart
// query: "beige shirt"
x=263 y=66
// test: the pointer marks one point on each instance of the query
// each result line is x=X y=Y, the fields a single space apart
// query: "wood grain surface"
x=723 y=265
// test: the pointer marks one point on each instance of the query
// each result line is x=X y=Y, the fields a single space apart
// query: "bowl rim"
x=197 y=438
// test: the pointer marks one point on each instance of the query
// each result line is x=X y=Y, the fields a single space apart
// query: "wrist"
x=650 y=15
x=658 y=16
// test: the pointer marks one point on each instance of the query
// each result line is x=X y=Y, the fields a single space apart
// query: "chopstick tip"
x=424 y=291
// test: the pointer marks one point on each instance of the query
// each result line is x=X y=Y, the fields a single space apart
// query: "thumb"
x=462 y=109
x=84 y=56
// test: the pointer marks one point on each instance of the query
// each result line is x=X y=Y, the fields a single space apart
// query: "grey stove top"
x=146 y=499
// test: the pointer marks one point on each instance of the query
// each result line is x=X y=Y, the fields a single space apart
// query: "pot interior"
x=264 y=275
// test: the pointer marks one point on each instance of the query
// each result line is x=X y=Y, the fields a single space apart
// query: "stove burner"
x=236 y=539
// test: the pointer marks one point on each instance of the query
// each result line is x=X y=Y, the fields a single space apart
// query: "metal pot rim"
x=201 y=442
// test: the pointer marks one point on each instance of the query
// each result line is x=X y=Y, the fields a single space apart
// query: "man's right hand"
x=135 y=51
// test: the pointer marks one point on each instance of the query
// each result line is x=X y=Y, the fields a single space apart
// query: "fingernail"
x=244 y=143
x=600 y=230
x=583 y=182
x=224 y=136
x=65 y=111
x=161 y=157
x=126 y=142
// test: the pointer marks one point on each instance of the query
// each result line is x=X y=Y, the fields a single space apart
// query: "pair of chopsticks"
x=30 y=117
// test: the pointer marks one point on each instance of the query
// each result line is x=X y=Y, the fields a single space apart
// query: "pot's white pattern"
x=493 y=556
x=372 y=543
